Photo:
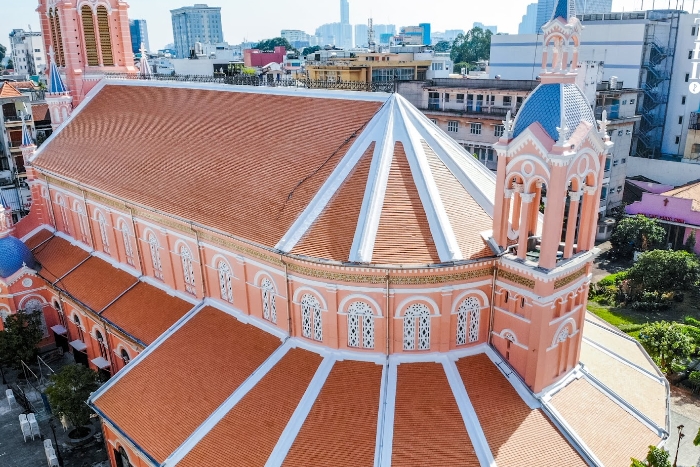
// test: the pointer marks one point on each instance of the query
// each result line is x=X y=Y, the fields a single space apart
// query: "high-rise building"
x=529 y=23
x=28 y=54
x=361 y=35
x=493 y=29
x=337 y=34
x=139 y=35
x=344 y=38
x=344 y=12
x=426 y=33
x=546 y=7
x=198 y=23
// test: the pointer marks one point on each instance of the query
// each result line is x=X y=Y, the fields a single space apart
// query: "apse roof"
x=553 y=106
x=370 y=161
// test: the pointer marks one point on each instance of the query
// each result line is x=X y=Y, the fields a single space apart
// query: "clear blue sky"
x=254 y=20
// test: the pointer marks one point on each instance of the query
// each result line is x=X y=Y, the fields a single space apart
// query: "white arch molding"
x=312 y=291
x=417 y=298
x=360 y=297
x=563 y=329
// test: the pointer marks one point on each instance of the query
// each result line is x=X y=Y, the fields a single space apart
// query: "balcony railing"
x=434 y=104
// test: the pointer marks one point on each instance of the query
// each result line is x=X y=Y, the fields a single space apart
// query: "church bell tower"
x=551 y=160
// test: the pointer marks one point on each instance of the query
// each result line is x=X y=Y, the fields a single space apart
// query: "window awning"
x=100 y=363
x=58 y=329
x=78 y=345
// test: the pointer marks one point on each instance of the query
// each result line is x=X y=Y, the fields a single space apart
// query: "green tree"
x=19 y=339
x=69 y=391
x=656 y=457
x=662 y=271
x=442 y=46
x=470 y=47
x=689 y=244
x=637 y=233
x=309 y=50
x=268 y=45
x=666 y=342
x=3 y=51
x=10 y=65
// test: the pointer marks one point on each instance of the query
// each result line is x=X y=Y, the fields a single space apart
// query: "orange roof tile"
x=332 y=234
x=145 y=312
x=607 y=429
x=341 y=427
x=57 y=256
x=517 y=435
x=40 y=112
x=403 y=230
x=467 y=217
x=176 y=391
x=38 y=238
x=266 y=160
x=96 y=283
x=7 y=90
x=688 y=191
x=428 y=426
x=250 y=431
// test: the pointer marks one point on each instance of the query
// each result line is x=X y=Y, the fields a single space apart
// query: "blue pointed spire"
x=563 y=9
x=56 y=85
x=26 y=135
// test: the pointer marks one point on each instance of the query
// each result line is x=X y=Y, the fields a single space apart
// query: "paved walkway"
x=685 y=410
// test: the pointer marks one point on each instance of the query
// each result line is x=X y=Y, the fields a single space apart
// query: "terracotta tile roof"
x=428 y=426
x=145 y=312
x=688 y=191
x=265 y=158
x=332 y=234
x=341 y=427
x=8 y=90
x=38 y=238
x=646 y=395
x=606 y=428
x=403 y=230
x=40 y=112
x=619 y=345
x=250 y=431
x=96 y=283
x=467 y=217
x=517 y=435
x=24 y=84
x=176 y=390
x=57 y=256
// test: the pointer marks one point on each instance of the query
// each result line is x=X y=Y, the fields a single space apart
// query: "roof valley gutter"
x=138 y=245
x=493 y=304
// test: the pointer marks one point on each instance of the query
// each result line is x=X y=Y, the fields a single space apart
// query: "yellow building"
x=370 y=67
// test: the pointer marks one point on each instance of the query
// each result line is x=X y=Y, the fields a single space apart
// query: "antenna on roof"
x=370 y=36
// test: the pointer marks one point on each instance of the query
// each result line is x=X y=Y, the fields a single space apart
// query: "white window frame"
x=475 y=128
x=453 y=126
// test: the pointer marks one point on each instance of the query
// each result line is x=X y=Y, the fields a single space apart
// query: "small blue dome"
x=547 y=103
x=14 y=253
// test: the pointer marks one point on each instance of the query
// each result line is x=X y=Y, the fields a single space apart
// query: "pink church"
x=346 y=288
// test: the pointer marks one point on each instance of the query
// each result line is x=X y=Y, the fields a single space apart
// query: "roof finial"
x=6 y=223
x=26 y=134
x=604 y=124
x=145 y=68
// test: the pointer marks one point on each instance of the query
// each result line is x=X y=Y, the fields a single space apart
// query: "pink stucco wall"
x=668 y=209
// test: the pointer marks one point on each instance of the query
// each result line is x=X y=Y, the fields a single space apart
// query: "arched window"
x=76 y=320
x=187 y=269
x=268 y=299
x=34 y=306
x=311 y=322
x=128 y=251
x=468 y=318
x=122 y=458
x=105 y=39
x=416 y=326
x=125 y=356
x=155 y=256
x=360 y=323
x=102 y=222
x=64 y=214
x=57 y=37
x=101 y=342
x=89 y=36
x=82 y=221
x=225 y=282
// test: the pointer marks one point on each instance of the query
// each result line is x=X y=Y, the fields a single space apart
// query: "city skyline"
x=255 y=24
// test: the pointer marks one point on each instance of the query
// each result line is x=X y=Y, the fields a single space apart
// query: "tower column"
x=517 y=204
x=536 y=203
x=526 y=201
x=502 y=205
x=574 y=198
x=588 y=217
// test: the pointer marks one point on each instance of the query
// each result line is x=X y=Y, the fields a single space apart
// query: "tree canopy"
x=470 y=47
x=268 y=45
x=309 y=50
x=662 y=271
x=442 y=46
x=666 y=343
x=69 y=391
x=637 y=233
x=3 y=51
x=19 y=340
x=656 y=457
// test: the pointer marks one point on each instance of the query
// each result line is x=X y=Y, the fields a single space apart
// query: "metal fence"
x=268 y=81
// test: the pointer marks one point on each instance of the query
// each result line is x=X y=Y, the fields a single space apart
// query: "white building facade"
x=27 y=51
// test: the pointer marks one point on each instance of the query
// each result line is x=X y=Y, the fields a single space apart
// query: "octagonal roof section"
x=367 y=164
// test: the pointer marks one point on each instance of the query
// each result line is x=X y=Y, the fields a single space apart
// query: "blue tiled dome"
x=14 y=253
x=545 y=106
